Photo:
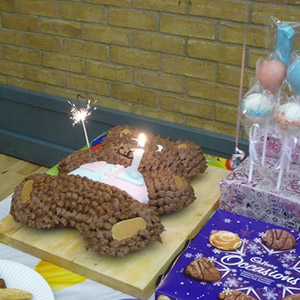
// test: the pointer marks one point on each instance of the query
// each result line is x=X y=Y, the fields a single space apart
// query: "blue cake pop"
x=293 y=76
x=284 y=43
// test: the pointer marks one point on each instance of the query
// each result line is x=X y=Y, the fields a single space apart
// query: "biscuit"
x=163 y=297
x=234 y=295
x=292 y=297
x=202 y=269
x=14 y=294
x=225 y=240
x=279 y=239
x=2 y=284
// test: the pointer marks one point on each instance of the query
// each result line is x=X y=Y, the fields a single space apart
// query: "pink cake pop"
x=271 y=74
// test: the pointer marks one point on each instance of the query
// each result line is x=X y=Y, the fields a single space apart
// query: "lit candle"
x=137 y=157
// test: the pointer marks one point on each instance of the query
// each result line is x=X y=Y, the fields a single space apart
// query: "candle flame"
x=142 y=140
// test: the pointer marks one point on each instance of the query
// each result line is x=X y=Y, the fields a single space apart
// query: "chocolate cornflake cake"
x=182 y=158
x=2 y=283
x=95 y=208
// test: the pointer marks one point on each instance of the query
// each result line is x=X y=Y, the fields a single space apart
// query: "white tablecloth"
x=87 y=289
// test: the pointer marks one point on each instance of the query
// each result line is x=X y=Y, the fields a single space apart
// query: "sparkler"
x=80 y=115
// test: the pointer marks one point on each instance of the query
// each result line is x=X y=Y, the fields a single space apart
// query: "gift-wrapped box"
x=260 y=199
x=274 y=148
x=253 y=268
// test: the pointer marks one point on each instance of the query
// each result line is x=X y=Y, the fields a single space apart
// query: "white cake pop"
x=287 y=116
x=257 y=106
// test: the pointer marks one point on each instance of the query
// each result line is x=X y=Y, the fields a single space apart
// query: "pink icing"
x=137 y=192
x=95 y=167
x=96 y=171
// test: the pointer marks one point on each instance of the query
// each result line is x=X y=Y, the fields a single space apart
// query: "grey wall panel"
x=37 y=127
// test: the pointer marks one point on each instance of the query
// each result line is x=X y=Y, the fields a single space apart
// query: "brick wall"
x=174 y=60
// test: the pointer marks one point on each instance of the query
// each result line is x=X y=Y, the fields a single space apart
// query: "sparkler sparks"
x=80 y=115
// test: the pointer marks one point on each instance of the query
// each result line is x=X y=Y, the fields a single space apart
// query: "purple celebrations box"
x=260 y=199
x=254 y=269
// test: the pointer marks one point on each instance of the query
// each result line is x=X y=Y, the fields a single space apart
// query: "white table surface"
x=87 y=290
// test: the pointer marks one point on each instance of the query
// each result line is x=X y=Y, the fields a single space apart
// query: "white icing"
x=257 y=105
x=114 y=175
x=291 y=112
x=159 y=148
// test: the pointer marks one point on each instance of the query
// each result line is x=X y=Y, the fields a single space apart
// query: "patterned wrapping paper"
x=260 y=199
x=254 y=269
x=274 y=147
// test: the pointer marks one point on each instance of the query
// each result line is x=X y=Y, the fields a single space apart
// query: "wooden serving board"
x=137 y=273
